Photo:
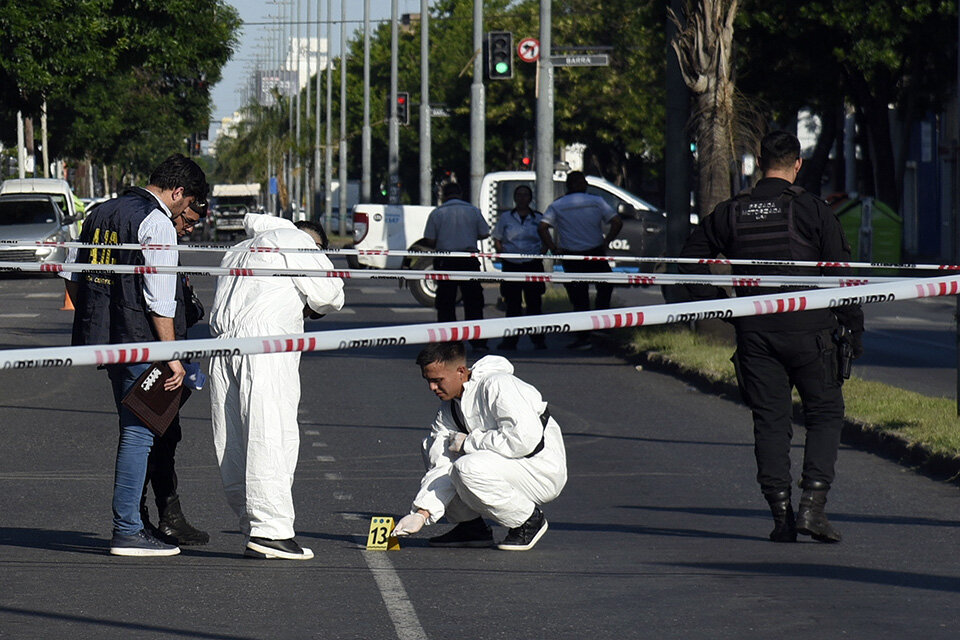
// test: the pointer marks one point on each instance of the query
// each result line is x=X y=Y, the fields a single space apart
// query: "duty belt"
x=544 y=419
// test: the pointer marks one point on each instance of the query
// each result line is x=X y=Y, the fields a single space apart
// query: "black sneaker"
x=474 y=534
x=141 y=545
x=267 y=548
x=523 y=538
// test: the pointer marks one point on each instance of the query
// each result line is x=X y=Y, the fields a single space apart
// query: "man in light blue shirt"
x=457 y=225
x=579 y=219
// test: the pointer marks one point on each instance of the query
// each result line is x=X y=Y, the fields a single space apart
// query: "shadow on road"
x=135 y=629
x=47 y=539
x=839 y=517
x=832 y=572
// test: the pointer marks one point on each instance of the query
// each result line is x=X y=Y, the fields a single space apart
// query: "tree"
x=704 y=47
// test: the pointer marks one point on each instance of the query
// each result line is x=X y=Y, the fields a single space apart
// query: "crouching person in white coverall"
x=254 y=398
x=493 y=452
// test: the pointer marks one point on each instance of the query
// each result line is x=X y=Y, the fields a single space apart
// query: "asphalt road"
x=660 y=533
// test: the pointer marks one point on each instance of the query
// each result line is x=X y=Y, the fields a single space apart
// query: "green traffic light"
x=502 y=67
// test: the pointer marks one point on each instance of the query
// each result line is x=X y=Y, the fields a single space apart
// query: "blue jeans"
x=133 y=450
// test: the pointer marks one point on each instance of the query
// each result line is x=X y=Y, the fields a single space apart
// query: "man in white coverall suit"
x=254 y=398
x=493 y=452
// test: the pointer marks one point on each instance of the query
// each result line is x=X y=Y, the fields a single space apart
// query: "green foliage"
x=617 y=111
x=124 y=82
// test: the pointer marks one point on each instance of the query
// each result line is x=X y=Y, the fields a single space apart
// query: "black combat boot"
x=784 y=524
x=173 y=525
x=145 y=519
x=811 y=518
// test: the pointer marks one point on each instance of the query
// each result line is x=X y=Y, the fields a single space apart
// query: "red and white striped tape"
x=13 y=244
x=479 y=276
x=435 y=332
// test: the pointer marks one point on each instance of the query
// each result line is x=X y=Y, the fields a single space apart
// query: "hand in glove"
x=856 y=344
x=456 y=442
x=410 y=523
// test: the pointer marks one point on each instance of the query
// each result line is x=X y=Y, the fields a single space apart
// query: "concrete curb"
x=855 y=433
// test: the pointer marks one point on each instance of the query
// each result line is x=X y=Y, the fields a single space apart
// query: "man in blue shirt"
x=457 y=225
x=516 y=232
x=579 y=219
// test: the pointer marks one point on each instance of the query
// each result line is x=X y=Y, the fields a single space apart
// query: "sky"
x=259 y=17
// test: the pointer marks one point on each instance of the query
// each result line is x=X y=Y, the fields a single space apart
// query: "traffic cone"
x=67 y=301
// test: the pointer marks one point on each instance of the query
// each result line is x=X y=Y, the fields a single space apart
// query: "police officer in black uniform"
x=779 y=221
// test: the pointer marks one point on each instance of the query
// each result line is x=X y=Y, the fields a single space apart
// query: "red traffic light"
x=526 y=161
x=401 y=99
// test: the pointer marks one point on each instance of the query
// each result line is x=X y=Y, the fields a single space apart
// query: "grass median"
x=917 y=419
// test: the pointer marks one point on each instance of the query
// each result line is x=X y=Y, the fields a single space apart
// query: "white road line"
x=311 y=432
x=341 y=495
x=332 y=476
x=325 y=459
x=410 y=310
x=44 y=295
x=19 y=315
x=394 y=596
x=319 y=444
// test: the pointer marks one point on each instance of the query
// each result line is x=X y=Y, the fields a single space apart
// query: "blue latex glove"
x=195 y=379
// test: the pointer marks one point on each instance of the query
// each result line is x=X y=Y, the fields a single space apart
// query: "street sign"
x=529 y=50
x=596 y=60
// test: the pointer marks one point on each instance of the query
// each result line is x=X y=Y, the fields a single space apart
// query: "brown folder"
x=149 y=401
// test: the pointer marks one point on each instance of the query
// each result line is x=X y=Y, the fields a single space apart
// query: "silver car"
x=30 y=218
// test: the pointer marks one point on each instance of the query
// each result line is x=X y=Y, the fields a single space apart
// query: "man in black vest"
x=115 y=308
x=778 y=221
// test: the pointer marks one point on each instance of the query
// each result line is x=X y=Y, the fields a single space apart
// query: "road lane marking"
x=380 y=290
x=311 y=432
x=19 y=315
x=394 y=596
x=410 y=310
x=332 y=476
x=319 y=444
x=44 y=295
x=325 y=459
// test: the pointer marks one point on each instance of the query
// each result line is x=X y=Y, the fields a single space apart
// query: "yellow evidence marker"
x=379 y=538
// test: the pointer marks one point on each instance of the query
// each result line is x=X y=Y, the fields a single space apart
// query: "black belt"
x=544 y=419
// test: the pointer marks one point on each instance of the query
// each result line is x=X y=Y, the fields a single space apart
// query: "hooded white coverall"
x=492 y=477
x=254 y=398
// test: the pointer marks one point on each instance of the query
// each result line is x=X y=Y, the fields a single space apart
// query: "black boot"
x=811 y=518
x=174 y=526
x=784 y=524
x=145 y=519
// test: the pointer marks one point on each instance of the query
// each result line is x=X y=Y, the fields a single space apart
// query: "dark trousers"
x=579 y=292
x=515 y=293
x=446 y=302
x=161 y=473
x=769 y=365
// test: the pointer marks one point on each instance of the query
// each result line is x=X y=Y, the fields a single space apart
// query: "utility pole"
x=478 y=109
x=307 y=190
x=425 y=136
x=545 y=111
x=316 y=134
x=677 y=152
x=21 y=148
x=298 y=164
x=343 y=119
x=328 y=149
x=394 y=125
x=43 y=140
x=365 y=142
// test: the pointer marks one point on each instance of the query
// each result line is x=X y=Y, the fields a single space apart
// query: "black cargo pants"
x=770 y=364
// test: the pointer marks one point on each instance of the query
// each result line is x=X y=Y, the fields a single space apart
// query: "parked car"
x=59 y=190
x=33 y=218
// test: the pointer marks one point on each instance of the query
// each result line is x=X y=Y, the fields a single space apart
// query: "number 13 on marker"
x=379 y=538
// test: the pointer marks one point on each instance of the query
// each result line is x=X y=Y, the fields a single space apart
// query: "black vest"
x=111 y=308
x=766 y=229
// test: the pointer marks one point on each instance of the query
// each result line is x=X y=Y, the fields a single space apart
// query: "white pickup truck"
x=400 y=227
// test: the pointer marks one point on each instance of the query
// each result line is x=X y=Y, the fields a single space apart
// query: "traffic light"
x=403 y=112
x=526 y=162
x=499 y=55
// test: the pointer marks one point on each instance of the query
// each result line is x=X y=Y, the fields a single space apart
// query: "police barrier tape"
x=440 y=332
x=479 y=276
x=10 y=245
